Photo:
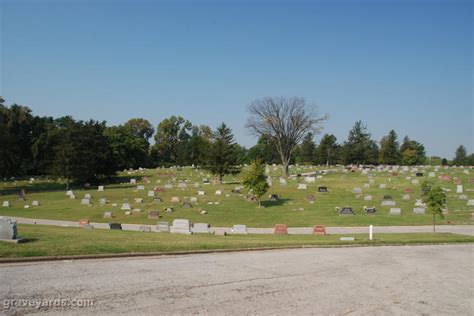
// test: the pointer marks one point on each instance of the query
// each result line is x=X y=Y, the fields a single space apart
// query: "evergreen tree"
x=389 y=154
x=307 y=150
x=460 y=157
x=222 y=154
x=328 y=150
x=359 y=147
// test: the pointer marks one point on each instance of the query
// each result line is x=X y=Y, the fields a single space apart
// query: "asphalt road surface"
x=402 y=280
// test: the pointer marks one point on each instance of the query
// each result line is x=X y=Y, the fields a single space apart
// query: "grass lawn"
x=61 y=241
x=233 y=208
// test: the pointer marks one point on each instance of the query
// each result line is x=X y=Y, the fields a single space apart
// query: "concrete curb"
x=195 y=252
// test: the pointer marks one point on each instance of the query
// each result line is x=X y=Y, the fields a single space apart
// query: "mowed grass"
x=62 y=241
x=235 y=209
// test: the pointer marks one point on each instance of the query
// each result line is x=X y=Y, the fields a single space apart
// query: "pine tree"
x=389 y=154
x=222 y=157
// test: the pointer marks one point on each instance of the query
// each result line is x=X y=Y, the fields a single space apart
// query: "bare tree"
x=286 y=121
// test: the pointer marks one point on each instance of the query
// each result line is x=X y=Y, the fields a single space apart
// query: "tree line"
x=91 y=151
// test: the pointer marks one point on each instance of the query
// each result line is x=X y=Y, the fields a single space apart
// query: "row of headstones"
x=179 y=226
x=8 y=204
x=372 y=210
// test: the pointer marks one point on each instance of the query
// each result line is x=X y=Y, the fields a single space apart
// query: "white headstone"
x=201 y=192
x=181 y=226
x=6 y=204
x=368 y=198
x=419 y=210
x=86 y=201
x=201 y=228
x=302 y=186
x=388 y=203
x=35 y=203
x=406 y=197
x=126 y=207
x=151 y=194
x=239 y=229
x=174 y=199
x=395 y=211
x=459 y=189
x=100 y=188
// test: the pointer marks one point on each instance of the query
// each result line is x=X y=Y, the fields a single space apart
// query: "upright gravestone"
x=181 y=226
x=100 y=188
x=346 y=211
x=153 y=215
x=406 y=197
x=6 y=204
x=280 y=229
x=357 y=190
x=108 y=215
x=302 y=186
x=470 y=202
x=85 y=201
x=319 y=230
x=239 y=229
x=419 y=210
x=151 y=194
x=126 y=207
x=368 y=198
x=459 y=189
x=162 y=227
x=140 y=187
x=395 y=211
x=201 y=228
x=322 y=189
x=8 y=229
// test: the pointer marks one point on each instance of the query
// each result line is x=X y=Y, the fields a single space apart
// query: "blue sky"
x=403 y=65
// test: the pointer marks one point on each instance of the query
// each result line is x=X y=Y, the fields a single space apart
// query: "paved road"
x=405 y=280
x=455 y=229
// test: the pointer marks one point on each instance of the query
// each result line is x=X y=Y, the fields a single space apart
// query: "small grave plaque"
x=280 y=229
x=319 y=230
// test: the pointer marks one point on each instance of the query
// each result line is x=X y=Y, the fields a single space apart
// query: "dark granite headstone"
x=346 y=211
x=115 y=226
x=322 y=189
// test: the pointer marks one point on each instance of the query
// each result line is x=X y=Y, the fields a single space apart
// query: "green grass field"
x=61 y=241
x=235 y=209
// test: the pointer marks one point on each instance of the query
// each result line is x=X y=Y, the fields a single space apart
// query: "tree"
x=460 y=157
x=222 y=155
x=389 y=154
x=284 y=120
x=169 y=134
x=255 y=180
x=359 y=147
x=328 y=150
x=435 y=199
x=264 y=150
x=412 y=152
x=307 y=150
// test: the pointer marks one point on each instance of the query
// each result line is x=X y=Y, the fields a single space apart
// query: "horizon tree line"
x=91 y=151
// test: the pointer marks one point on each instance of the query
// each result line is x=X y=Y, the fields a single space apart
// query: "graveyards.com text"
x=39 y=303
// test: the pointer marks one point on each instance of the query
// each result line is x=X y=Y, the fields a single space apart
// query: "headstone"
x=8 y=229
x=419 y=203
x=162 y=227
x=387 y=197
x=406 y=197
x=419 y=210
x=470 y=202
x=102 y=201
x=138 y=200
x=85 y=201
x=280 y=229
x=368 y=198
x=356 y=190
x=83 y=222
x=459 y=189
x=419 y=174
x=431 y=175
x=283 y=181
x=382 y=186
x=395 y=211
x=218 y=192
x=310 y=198
x=87 y=196
x=346 y=211
x=133 y=181
x=126 y=207
x=388 y=203
x=273 y=197
x=310 y=179
x=72 y=197
x=100 y=188
x=6 y=204
x=319 y=230
x=140 y=187
x=370 y=210
x=347 y=239
x=168 y=210
x=366 y=185
x=187 y=205
x=201 y=192
x=108 y=215
x=174 y=199
x=181 y=226
x=239 y=229
x=35 y=203
x=69 y=192
x=151 y=194
x=87 y=226
x=153 y=214
x=463 y=197
x=115 y=226
x=145 y=229
x=302 y=186
x=168 y=186
x=201 y=228
x=322 y=189
x=414 y=181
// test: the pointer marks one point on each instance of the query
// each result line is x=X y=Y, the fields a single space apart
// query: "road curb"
x=194 y=252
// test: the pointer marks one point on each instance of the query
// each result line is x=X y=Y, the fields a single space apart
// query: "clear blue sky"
x=403 y=65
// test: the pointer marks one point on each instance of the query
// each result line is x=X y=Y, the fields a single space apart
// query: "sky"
x=402 y=65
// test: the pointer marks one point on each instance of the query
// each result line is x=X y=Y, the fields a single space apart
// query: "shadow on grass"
x=278 y=202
